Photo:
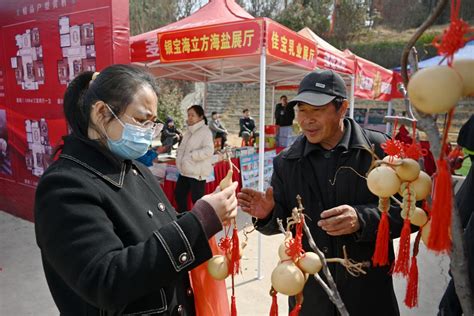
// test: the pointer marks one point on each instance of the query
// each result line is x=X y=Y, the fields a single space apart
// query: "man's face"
x=321 y=124
x=284 y=101
x=247 y=113
x=215 y=116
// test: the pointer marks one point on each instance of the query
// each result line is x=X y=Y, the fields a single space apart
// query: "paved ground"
x=23 y=289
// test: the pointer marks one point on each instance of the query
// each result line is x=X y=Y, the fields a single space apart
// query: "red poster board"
x=45 y=44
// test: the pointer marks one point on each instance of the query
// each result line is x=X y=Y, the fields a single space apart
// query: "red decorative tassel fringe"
x=403 y=259
x=296 y=310
x=233 y=307
x=411 y=296
x=274 y=308
x=441 y=208
x=234 y=266
x=380 y=257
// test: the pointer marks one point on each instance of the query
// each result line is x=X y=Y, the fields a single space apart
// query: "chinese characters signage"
x=285 y=44
x=237 y=39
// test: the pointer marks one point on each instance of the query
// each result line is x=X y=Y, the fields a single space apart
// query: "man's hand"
x=340 y=220
x=257 y=204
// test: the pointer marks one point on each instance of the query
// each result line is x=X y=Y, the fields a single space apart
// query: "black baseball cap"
x=320 y=87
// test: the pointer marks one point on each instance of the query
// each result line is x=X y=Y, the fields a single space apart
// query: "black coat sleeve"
x=76 y=235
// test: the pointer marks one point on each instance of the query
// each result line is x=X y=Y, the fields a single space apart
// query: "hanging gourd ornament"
x=435 y=89
x=310 y=263
x=408 y=169
x=465 y=68
x=287 y=278
x=383 y=181
x=422 y=186
x=218 y=267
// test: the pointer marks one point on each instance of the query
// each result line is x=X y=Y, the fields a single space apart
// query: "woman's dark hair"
x=199 y=111
x=116 y=85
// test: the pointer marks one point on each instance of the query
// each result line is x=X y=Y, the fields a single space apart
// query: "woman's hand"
x=223 y=202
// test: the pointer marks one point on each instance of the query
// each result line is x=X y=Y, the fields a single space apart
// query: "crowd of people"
x=112 y=243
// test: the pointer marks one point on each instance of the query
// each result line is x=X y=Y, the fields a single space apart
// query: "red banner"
x=45 y=44
x=285 y=44
x=229 y=40
x=372 y=82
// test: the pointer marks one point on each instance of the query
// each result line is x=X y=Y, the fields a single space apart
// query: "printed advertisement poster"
x=249 y=170
x=45 y=45
x=5 y=158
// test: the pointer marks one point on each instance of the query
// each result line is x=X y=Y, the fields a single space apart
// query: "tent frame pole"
x=261 y=147
x=351 y=106
x=273 y=104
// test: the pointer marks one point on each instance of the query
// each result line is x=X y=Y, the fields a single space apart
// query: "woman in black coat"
x=111 y=243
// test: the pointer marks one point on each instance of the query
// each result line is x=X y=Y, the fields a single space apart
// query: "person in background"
x=194 y=158
x=110 y=241
x=450 y=305
x=284 y=114
x=323 y=166
x=217 y=129
x=170 y=135
x=248 y=129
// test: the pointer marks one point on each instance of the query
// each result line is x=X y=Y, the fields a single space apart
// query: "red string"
x=453 y=38
x=294 y=247
x=296 y=310
x=414 y=150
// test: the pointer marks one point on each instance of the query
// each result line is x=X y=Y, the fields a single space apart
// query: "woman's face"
x=193 y=117
x=142 y=109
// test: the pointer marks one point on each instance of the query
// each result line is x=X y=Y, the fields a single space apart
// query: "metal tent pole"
x=351 y=108
x=261 y=147
x=273 y=104
x=389 y=113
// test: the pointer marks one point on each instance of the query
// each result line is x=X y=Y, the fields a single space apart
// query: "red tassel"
x=274 y=308
x=441 y=207
x=233 y=307
x=296 y=310
x=380 y=257
x=411 y=296
x=403 y=258
x=234 y=266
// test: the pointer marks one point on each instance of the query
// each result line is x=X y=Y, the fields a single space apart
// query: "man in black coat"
x=326 y=166
x=284 y=114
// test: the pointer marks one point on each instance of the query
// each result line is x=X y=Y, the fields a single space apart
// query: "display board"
x=249 y=170
x=45 y=44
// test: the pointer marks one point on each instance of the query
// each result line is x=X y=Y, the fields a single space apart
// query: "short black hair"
x=213 y=112
x=245 y=110
x=283 y=96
